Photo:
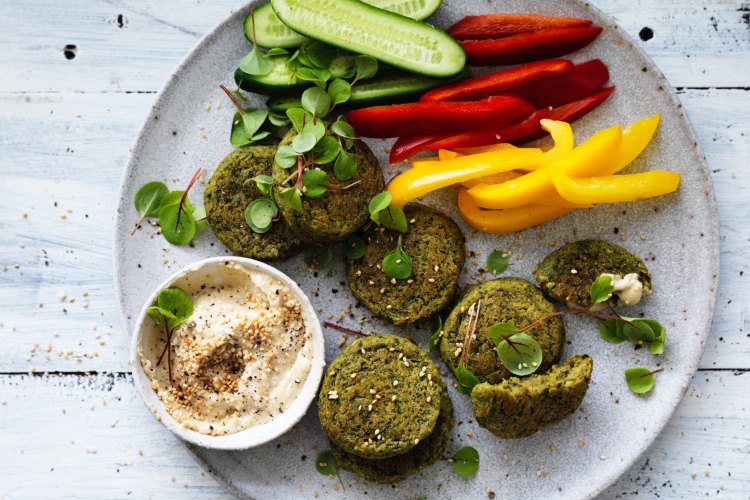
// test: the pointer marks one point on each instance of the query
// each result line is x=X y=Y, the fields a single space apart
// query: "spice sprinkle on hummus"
x=242 y=357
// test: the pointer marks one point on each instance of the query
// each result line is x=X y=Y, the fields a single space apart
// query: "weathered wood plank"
x=80 y=170
x=92 y=450
x=133 y=46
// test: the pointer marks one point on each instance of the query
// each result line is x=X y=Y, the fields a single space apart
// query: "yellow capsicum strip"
x=425 y=177
x=583 y=160
x=508 y=220
x=493 y=179
x=635 y=138
x=615 y=188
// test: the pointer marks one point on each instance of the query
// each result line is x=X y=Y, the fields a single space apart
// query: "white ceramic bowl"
x=254 y=436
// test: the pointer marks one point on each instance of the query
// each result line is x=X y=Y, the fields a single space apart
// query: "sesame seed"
x=416 y=441
x=393 y=398
x=437 y=268
x=372 y=391
x=369 y=407
x=395 y=383
x=431 y=280
x=429 y=398
x=377 y=431
x=573 y=271
x=353 y=375
x=398 y=261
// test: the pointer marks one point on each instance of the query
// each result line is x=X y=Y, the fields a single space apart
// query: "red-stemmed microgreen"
x=325 y=464
x=172 y=308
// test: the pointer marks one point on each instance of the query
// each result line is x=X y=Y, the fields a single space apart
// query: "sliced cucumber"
x=281 y=103
x=396 y=88
x=394 y=39
x=271 y=32
x=280 y=81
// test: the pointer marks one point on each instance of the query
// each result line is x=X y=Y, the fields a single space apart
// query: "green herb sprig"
x=179 y=220
x=325 y=464
x=518 y=352
x=172 y=308
x=466 y=462
x=396 y=263
x=497 y=262
x=641 y=380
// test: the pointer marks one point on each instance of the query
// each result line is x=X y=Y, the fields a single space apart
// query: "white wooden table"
x=77 y=77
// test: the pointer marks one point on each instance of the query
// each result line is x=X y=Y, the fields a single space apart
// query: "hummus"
x=628 y=288
x=239 y=361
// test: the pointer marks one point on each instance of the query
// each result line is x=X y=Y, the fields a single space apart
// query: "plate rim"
x=712 y=239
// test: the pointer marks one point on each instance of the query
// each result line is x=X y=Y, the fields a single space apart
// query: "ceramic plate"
x=677 y=236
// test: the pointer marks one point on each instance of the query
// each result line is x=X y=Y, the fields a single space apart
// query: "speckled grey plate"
x=677 y=235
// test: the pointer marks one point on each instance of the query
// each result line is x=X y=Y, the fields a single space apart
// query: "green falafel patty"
x=567 y=273
x=519 y=407
x=511 y=300
x=380 y=397
x=437 y=250
x=227 y=194
x=395 y=469
x=342 y=210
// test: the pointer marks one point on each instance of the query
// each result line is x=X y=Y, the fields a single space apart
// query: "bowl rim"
x=254 y=436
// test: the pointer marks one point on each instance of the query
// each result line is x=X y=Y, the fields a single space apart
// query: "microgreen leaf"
x=253 y=119
x=178 y=303
x=263 y=183
x=637 y=331
x=318 y=129
x=314 y=182
x=656 y=346
x=173 y=198
x=317 y=76
x=199 y=214
x=601 y=289
x=379 y=203
x=291 y=197
x=640 y=380
x=342 y=129
x=437 y=329
x=238 y=136
x=396 y=263
x=177 y=228
x=304 y=141
x=158 y=314
x=466 y=462
x=278 y=119
x=298 y=117
x=148 y=200
x=345 y=166
x=498 y=332
x=319 y=54
x=497 y=262
x=355 y=247
x=366 y=67
x=520 y=354
x=286 y=156
x=466 y=379
x=608 y=330
x=318 y=256
x=394 y=218
x=256 y=63
x=325 y=464
x=327 y=150
x=316 y=101
x=339 y=91
x=259 y=215
x=276 y=51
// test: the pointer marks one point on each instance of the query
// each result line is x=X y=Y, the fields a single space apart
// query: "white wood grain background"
x=71 y=424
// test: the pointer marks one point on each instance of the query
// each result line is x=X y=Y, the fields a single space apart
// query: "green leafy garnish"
x=315 y=100
x=520 y=354
x=286 y=156
x=173 y=307
x=437 y=330
x=260 y=214
x=201 y=224
x=339 y=91
x=656 y=346
x=264 y=184
x=396 y=263
x=466 y=379
x=314 y=183
x=303 y=142
x=611 y=331
x=379 y=203
x=640 y=380
x=291 y=197
x=176 y=215
x=325 y=464
x=366 y=67
x=466 y=462
x=327 y=150
x=256 y=62
x=497 y=262
x=355 y=247
x=345 y=166
x=148 y=200
x=393 y=218
x=601 y=290
x=318 y=256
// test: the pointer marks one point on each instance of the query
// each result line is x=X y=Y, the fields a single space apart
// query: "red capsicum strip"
x=436 y=117
x=495 y=83
x=517 y=132
x=528 y=47
x=501 y=25
x=582 y=81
